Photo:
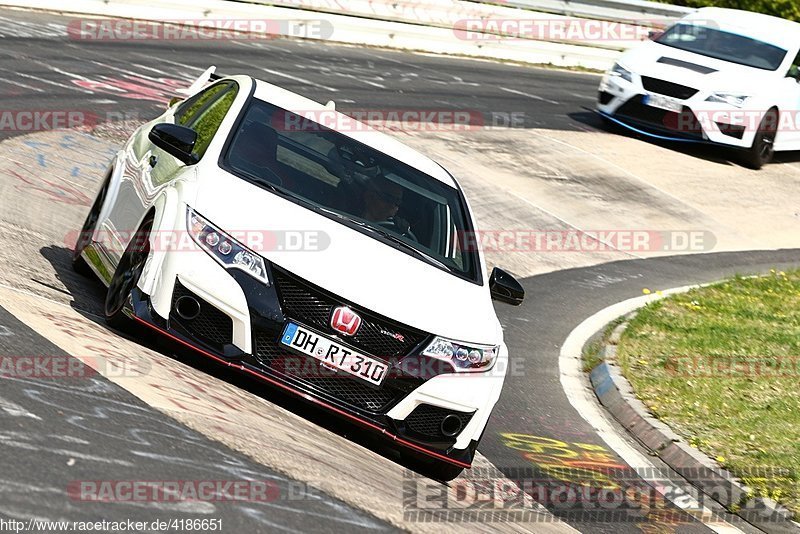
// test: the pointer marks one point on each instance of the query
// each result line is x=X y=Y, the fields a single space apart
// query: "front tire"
x=79 y=264
x=763 y=148
x=127 y=275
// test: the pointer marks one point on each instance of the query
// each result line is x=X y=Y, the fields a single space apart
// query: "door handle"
x=153 y=160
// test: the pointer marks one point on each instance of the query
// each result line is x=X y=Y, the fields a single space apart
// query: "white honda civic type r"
x=722 y=76
x=336 y=265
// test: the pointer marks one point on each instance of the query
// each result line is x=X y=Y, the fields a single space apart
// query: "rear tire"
x=127 y=275
x=79 y=264
x=763 y=148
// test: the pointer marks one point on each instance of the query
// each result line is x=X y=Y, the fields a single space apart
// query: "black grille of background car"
x=683 y=124
x=426 y=420
x=605 y=97
x=311 y=306
x=663 y=87
x=211 y=326
x=350 y=390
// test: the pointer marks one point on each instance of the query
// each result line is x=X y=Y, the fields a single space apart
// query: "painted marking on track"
x=15 y=410
x=51 y=82
x=23 y=85
x=5 y=331
x=529 y=95
x=298 y=79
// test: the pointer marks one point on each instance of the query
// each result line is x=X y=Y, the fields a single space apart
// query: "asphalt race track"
x=101 y=431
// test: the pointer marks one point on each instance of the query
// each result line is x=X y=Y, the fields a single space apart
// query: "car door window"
x=204 y=112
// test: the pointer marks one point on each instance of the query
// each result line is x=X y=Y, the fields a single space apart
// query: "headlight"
x=621 y=72
x=728 y=98
x=466 y=358
x=227 y=251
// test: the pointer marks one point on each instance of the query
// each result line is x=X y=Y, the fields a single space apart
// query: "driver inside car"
x=382 y=199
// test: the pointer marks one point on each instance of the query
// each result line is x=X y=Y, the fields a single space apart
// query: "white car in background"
x=384 y=318
x=722 y=76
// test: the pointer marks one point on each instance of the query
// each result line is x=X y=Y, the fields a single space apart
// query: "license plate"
x=334 y=355
x=663 y=102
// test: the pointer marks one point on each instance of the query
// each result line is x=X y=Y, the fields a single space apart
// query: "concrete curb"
x=344 y=29
x=616 y=394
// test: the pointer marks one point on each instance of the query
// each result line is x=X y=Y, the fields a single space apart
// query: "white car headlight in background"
x=227 y=251
x=467 y=358
x=618 y=71
x=728 y=98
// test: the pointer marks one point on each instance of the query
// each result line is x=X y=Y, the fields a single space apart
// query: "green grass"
x=592 y=352
x=678 y=353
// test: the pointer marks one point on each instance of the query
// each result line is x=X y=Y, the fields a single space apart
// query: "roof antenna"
x=331 y=105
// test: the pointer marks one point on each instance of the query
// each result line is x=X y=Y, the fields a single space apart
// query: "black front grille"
x=211 y=326
x=732 y=130
x=350 y=390
x=426 y=420
x=663 y=87
x=604 y=97
x=312 y=306
x=684 y=124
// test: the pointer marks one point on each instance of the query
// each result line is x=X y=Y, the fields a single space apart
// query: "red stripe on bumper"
x=315 y=400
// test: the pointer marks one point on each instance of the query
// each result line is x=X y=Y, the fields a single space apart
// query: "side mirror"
x=505 y=288
x=794 y=73
x=176 y=140
x=654 y=34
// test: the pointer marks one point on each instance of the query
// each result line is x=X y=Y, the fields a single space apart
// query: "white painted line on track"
x=50 y=82
x=582 y=397
x=298 y=79
x=529 y=95
x=20 y=84
x=168 y=62
x=15 y=410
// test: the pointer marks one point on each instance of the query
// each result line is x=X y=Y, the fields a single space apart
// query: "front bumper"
x=698 y=121
x=242 y=328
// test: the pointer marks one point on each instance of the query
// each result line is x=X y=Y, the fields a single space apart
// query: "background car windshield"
x=354 y=184
x=723 y=45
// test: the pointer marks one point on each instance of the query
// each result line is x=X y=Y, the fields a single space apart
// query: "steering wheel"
x=403 y=229
x=358 y=160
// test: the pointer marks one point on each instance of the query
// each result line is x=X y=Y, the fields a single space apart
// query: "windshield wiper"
x=389 y=237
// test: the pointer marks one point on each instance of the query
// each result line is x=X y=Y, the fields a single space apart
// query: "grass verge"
x=721 y=366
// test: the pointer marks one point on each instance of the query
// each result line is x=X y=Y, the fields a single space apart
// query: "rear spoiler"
x=208 y=76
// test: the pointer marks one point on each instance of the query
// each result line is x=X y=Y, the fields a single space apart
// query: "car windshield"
x=723 y=45
x=354 y=184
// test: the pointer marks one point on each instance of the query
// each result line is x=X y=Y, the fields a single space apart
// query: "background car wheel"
x=763 y=147
x=127 y=275
x=79 y=264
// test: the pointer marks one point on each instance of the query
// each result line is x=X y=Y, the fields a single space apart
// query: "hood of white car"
x=682 y=67
x=354 y=266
